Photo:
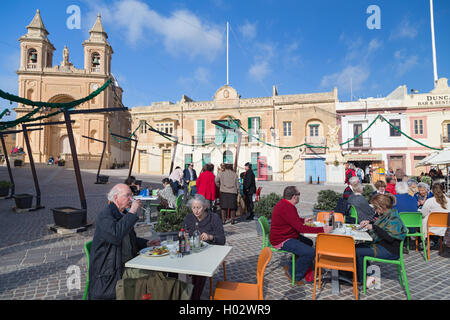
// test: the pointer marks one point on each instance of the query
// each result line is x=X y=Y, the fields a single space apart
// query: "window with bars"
x=287 y=128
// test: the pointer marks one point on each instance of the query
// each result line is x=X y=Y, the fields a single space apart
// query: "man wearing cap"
x=249 y=188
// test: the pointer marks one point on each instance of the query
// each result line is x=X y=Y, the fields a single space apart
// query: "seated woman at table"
x=166 y=196
x=210 y=228
x=404 y=202
x=423 y=194
x=387 y=233
x=380 y=187
x=131 y=182
x=438 y=203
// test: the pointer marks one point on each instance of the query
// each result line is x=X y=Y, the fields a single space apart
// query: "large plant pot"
x=102 y=179
x=18 y=163
x=4 y=191
x=69 y=218
x=23 y=201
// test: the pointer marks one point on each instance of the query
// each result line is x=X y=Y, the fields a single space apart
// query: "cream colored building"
x=40 y=80
x=280 y=120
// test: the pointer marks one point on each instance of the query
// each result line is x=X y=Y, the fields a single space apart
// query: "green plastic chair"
x=87 y=249
x=266 y=243
x=414 y=220
x=400 y=267
x=177 y=205
x=354 y=214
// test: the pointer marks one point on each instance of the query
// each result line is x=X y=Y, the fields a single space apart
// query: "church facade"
x=266 y=124
x=40 y=80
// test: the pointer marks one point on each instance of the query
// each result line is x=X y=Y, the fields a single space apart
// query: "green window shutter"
x=200 y=131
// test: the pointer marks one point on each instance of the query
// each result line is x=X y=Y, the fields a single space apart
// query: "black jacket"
x=186 y=175
x=105 y=263
x=249 y=184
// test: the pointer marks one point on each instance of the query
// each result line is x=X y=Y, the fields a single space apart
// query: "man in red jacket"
x=285 y=234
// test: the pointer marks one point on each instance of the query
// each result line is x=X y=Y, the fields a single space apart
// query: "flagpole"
x=228 y=31
x=433 y=43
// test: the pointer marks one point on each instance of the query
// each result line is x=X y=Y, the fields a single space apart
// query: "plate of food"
x=157 y=251
x=314 y=224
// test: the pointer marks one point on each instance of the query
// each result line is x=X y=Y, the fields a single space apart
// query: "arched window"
x=32 y=56
x=314 y=128
x=30 y=94
x=95 y=62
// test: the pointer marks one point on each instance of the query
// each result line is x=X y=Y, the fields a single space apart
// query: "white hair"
x=354 y=181
x=199 y=198
x=358 y=188
x=116 y=190
x=401 y=187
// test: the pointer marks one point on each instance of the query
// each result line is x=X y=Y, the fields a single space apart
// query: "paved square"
x=34 y=261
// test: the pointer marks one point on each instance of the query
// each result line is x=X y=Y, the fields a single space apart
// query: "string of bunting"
x=39 y=105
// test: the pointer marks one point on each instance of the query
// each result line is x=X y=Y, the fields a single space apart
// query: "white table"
x=357 y=236
x=204 y=263
x=146 y=206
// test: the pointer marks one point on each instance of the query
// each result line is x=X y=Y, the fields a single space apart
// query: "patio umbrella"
x=436 y=158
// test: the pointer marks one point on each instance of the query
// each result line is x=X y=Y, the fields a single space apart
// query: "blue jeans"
x=303 y=248
x=365 y=251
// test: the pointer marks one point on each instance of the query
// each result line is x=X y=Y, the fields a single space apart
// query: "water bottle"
x=181 y=241
x=196 y=237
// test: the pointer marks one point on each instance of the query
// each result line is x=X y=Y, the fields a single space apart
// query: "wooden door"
x=167 y=161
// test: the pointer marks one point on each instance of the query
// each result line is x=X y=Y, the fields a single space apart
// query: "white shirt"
x=431 y=205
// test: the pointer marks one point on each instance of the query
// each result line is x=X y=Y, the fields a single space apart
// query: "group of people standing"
x=225 y=187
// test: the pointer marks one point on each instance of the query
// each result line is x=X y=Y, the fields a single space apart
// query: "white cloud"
x=200 y=77
x=248 y=30
x=404 y=63
x=263 y=58
x=352 y=76
x=404 y=30
x=182 y=32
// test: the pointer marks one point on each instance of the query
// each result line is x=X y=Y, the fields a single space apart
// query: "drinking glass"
x=173 y=251
x=169 y=240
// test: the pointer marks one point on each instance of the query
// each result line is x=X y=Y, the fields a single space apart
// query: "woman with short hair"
x=210 y=228
x=387 y=233
x=405 y=203
x=423 y=193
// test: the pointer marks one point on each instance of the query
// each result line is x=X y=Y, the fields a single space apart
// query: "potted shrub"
x=171 y=223
x=18 y=163
x=264 y=207
x=367 y=191
x=427 y=180
x=4 y=188
x=61 y=163
x=326 y=201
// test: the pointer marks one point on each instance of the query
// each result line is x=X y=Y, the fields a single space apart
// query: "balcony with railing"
x=359 y=143
x=316 y=141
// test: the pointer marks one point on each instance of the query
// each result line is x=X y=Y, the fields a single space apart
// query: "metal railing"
x=359 y=143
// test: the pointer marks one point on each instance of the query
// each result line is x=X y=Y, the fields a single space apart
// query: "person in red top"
x=206 y=185
x=285 y=234
x=391 y=180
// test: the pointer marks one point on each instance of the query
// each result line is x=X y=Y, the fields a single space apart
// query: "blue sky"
x=164 y=49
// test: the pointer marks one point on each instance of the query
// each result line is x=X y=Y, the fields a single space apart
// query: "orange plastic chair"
x=335 y=252
x=258 y=194
x=321 y=216
x=435 y=219
x=226 y=290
